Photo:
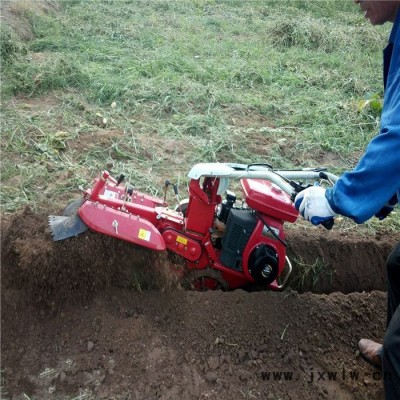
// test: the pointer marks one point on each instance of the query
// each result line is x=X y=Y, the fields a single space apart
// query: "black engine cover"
x=263 y=264
x=239 y=227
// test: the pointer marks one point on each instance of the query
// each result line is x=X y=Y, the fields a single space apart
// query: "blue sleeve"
x=361 y=193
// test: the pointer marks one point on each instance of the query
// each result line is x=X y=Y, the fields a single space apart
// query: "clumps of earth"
x=92 y=317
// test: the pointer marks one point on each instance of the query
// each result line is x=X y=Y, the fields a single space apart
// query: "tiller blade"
x=68 y=225
x=62 y=227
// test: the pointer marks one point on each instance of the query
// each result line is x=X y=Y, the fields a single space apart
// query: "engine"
x=225 y=207
x=237 y=226
x=263 y=264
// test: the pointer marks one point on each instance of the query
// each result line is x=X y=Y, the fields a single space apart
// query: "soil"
x=96 y=318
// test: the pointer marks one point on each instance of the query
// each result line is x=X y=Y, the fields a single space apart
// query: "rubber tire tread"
x=187 y=282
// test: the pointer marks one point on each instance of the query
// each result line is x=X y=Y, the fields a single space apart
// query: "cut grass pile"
x=149 y=88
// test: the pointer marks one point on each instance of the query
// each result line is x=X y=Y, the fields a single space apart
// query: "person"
x=373 y=188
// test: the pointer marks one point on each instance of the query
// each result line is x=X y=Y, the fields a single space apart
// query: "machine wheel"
x=202 y=280
x=72 y=208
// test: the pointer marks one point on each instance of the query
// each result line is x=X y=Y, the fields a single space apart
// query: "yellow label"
x=144 y=235
x=181 y=240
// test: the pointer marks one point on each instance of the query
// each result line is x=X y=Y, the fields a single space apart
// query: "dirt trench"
x=96 y=318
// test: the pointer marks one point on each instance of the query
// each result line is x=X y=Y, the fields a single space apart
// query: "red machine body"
x=225 y=244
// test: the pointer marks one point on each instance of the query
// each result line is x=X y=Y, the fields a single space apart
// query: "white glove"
x=313 y=205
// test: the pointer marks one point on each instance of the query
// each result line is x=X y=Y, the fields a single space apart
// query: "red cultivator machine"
x=226 y=243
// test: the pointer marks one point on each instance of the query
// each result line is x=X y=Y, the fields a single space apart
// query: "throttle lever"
x=328 y=224
x=175 y=187
x=297 y=189
x=166 y=184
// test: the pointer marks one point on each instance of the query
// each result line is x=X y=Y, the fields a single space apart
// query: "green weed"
x=309 y=274
x=11 y=46
x=31 y=79
x=286 y=82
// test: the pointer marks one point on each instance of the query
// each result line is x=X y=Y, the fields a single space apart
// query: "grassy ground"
x=149 y=88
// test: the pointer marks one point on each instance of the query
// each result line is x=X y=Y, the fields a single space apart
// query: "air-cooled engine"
x=238 y=225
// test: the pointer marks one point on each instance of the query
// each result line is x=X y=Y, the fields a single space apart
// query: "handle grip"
x=328 y=224
x=120 y=179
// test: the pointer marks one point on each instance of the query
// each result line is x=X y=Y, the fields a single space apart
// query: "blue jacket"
x=362 y=192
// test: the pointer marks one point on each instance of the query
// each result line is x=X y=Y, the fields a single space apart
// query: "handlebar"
x=285 y=179
x=307 y=174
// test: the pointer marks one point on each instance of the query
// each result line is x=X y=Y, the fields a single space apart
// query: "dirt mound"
x=15 y=13
x=326 y=262
x=51 y=273
x=104 y=341
x=54 y=272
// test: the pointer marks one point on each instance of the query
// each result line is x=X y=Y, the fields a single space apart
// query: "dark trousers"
x=391 y=341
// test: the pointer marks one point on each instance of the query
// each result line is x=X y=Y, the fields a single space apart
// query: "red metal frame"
x=145 y=220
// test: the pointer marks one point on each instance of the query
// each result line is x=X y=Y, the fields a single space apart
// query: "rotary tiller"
x=225 y=243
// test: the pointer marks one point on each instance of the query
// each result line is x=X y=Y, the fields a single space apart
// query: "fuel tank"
x=269 y=199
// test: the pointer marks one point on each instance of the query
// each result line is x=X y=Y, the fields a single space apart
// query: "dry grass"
x=150 y=88
x=16 y=14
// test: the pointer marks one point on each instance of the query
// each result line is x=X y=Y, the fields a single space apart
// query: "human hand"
x=387 y=208
x=313 y=205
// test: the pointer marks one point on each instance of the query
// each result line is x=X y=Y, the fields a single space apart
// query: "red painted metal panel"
x=121 y=225
x=181 y=244
x=263 y=196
